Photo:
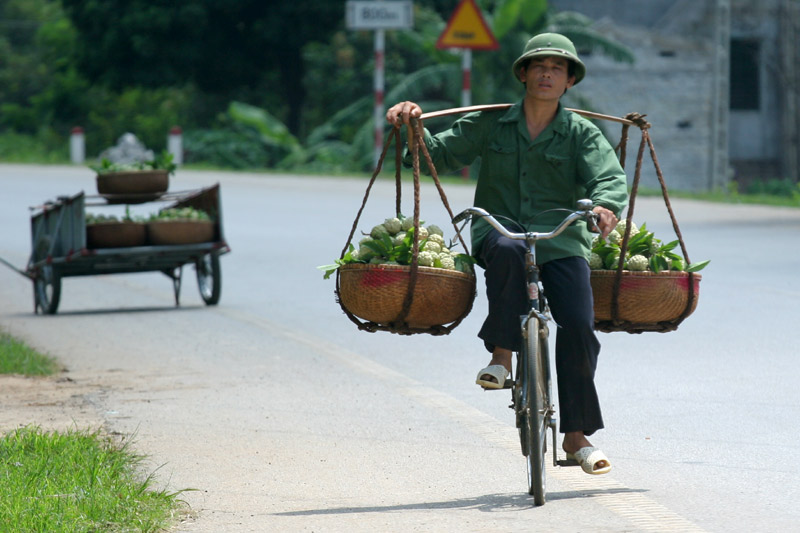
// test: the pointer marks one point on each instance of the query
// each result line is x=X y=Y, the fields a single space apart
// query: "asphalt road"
x=284 y=417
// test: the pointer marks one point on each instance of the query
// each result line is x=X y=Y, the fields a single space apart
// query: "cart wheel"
x=209 y=279
x=47 y=290
x=176 y=276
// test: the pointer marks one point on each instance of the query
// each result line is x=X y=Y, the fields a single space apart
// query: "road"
x=284 y=417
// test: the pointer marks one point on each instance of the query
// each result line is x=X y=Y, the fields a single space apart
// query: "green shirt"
x=520 y=178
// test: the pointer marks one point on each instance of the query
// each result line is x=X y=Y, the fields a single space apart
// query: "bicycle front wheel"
x=535 y=418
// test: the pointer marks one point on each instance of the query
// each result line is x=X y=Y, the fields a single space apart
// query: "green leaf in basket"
x=464 y=263
x=328 y=269
x=658 y=263
x=678 y=264
x=346 y=259
x=378 y=246
x=696 y=267
x=640 y=243
x=669 y=246
x=403 y=251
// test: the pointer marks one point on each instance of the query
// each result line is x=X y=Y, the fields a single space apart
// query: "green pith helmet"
x=550 y=44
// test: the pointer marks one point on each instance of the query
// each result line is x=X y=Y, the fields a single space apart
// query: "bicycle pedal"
x=568 y=462
x=508 y=384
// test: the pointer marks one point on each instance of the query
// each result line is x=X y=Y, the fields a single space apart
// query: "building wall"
x=679 y=52
x=670 y=83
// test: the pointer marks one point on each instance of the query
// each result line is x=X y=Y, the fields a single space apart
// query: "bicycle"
x=531 y=389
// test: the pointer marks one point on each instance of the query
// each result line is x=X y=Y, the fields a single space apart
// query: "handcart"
x=60 y=250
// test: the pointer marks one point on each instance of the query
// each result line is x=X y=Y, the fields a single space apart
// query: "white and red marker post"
x=77 y=145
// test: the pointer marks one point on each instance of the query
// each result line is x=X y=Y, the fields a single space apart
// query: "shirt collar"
x=559 y=124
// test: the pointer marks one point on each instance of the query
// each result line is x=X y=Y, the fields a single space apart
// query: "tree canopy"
x=252 y=82
x=221 y=46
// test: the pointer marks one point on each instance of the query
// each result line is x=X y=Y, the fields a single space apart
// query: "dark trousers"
x=569 y=294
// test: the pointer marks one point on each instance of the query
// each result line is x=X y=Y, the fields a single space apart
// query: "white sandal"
x=497 y=375
x=588 y=457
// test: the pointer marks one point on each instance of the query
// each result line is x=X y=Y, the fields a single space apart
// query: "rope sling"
x=400 y=324
x=615 y=324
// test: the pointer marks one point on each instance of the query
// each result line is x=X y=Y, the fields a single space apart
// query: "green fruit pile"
x=644 y=252
x=180 y=214
x=391 y=243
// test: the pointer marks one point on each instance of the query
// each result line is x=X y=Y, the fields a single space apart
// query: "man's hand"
x=401 y=113
x=606 y=220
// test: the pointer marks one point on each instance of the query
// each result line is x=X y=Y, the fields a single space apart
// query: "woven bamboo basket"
x=132 y=187
x=647 y=301
x=115 y=235
x=180 y=231
x=376 y=293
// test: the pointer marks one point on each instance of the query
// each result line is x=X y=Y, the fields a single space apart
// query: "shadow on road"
x=120 y=310
x=489 y=503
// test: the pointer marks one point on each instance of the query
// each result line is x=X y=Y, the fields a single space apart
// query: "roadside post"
x=468 y=31
x=175 y=144
x=77 y=145
x=379 y=15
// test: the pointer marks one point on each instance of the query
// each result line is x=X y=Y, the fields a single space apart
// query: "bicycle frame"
x=531 y=391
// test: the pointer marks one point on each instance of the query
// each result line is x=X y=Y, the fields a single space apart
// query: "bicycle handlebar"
x=584 y=210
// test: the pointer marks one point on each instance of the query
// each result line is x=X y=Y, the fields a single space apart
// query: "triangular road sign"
x=467 y=29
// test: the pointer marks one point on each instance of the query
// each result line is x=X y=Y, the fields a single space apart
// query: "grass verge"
x=75 y=480
x=18 y=358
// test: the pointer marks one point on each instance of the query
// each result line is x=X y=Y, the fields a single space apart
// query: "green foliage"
x=38 y=84
x=181 y=214
x=219 y=47
x=393 y=242
x=148 y=113
x=271 y=130
x=774 y=187
x=162 y=161
x=39 y=148
x=424 y=74
x=641 y=243
x=225 y=148
x=102 y=218
x=244 y=137
x=511 y=13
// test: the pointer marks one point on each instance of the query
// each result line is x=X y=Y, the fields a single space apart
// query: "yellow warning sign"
x=467 y=29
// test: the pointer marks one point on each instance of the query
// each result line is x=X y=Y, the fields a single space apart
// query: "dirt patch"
x=53 y=403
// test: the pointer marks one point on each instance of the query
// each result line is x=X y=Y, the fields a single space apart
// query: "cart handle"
x=12 y=267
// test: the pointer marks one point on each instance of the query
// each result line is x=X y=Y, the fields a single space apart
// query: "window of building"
x=744 y=74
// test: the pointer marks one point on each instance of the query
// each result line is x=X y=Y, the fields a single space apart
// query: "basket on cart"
x=132 y=187
x=117 y=234
x=405 y=299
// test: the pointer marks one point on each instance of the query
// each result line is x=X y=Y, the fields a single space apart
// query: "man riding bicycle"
x=537 y=156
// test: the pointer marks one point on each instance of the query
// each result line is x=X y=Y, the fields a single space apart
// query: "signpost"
x=379 y=15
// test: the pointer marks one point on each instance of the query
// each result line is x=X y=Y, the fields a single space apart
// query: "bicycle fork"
x=548 y=410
